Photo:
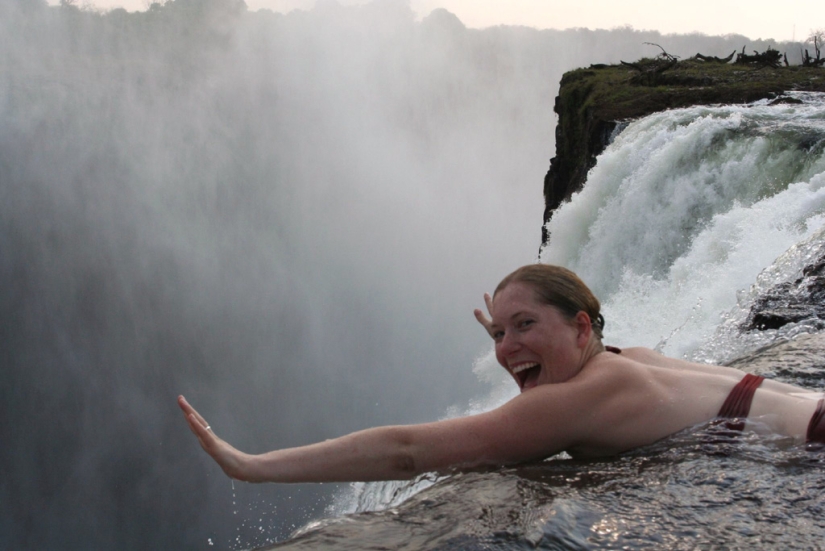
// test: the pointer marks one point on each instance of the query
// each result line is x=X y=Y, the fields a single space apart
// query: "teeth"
x=522 y=367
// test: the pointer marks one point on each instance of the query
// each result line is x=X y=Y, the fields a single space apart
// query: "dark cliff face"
x=581 y=135
x=594 y=102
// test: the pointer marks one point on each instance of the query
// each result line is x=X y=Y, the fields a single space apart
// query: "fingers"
x=203 y=432
x=197 y=424
x=482 y=318
x=189 y=410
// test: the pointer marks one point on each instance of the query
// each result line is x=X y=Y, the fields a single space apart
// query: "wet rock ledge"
x=592 y=102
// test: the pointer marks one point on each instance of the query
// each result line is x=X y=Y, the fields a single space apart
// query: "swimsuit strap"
x=816 y=428
x=613 y=349
x=738 y=402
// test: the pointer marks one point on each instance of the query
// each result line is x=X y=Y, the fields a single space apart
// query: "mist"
x=286 y=218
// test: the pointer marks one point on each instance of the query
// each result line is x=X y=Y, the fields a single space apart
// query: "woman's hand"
x=233 y=462
x=486 y=322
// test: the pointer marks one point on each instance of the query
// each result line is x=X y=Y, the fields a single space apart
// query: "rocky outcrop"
x=594 y=101
x=792 y=301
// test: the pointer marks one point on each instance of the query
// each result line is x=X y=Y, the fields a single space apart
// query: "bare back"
x=660 y=396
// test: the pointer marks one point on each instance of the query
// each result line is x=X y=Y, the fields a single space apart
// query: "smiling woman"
x=576 y=395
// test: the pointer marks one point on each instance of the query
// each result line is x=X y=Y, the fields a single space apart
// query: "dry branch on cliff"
x=650 y=69
x=714 y=59
x=768 y=58
x=810 y=61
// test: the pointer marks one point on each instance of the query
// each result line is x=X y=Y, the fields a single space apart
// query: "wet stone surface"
x=800 y=361
x=791 y=302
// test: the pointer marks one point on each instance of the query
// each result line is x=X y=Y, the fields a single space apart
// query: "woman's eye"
x=498 y=335
x=524 y=324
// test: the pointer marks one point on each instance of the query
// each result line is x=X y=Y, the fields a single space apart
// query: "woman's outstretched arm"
x=383 y=453
x=509 y=434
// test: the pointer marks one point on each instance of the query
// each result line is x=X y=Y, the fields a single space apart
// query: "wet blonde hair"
x=559 y=287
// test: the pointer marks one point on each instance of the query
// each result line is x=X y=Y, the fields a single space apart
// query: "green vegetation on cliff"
x=616 y=92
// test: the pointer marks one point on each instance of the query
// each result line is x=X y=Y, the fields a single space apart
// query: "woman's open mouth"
x=527 y=375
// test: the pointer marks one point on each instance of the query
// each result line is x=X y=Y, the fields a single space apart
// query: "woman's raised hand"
x=486 y=322
x=231 y=460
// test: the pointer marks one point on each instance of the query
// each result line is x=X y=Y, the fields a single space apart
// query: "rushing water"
x=686 y=218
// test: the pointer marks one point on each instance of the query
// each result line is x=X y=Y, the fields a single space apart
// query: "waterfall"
x=685 y=209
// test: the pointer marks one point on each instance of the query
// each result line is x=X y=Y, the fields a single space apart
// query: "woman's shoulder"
x=645 y=355
x=639 y=357
x=653 y=358
x=610 y=372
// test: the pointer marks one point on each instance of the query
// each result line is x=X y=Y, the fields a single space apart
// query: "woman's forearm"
x=383 y=453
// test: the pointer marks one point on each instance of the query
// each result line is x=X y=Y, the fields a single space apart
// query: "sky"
x=788 y=20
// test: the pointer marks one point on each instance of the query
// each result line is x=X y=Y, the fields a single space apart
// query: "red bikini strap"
x=816 y=429
x=738 y=402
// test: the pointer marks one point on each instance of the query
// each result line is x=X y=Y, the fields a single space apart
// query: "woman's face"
x=535 y=343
